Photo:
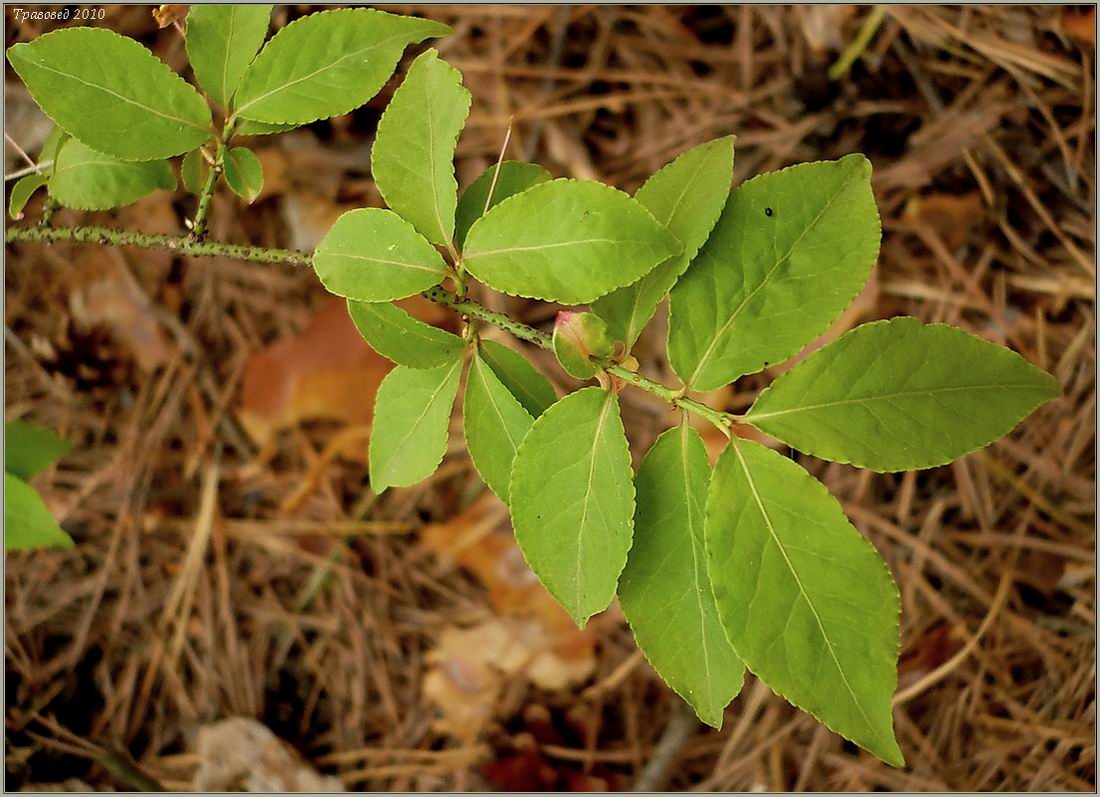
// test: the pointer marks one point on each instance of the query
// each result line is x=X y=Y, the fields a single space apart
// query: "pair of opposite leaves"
x=322 y=65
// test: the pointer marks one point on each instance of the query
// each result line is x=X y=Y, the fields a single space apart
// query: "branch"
x=258 y=254
x=474 y=310
x=657 y=772
x=198 y=228
x=174 y=243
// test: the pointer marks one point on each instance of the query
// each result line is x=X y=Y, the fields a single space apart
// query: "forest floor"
x=231 y=561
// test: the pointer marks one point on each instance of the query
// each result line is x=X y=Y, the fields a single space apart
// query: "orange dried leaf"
x=1081 y=26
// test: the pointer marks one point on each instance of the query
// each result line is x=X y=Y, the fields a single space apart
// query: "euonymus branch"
x=749 y=564
x=186 y=245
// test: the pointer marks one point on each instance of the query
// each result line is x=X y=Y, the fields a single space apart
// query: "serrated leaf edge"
x=862 y=329
x=161 y=114
x=611 y=399
x=818 y=331
x=813 y=484
x=467 y=257
x=428 y=24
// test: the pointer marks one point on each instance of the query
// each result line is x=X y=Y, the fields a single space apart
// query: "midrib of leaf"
x=412 y=330
x=630 y=331
x=520 y=385
x=751 y=416
x=125 y=99
x=798 y=581
x=588 y=488
x=763 y=283
x=414 y=266
x=313 y=74
x=695 y=556
x=539 y=247
x=427 y=407
x=496 y=406
x=225 y=55
x=83 y=164
x=435 y=188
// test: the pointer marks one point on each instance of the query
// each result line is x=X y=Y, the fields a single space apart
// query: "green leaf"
x=89 y=180
x=495 y=424
x=193 y=171
x=30 y=449
x=413 y=155
x=327 y=64
x=112 y=93
x=687 y=196
x=577 y=337
x=805 y=599
x=568 y=241
x=52 y=145
x=411 y=416
x=791 y=251
x=665 y=589
x=221 y=42
x=900 y=395
x=373 y=255
x=399 y=337
x=572 y=500
x=514 y=177
x=28 y=524
x=250 y=127
x=23 y=190
x=243 y=173
x=523 y=380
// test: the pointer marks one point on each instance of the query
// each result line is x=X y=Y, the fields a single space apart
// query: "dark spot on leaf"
x=768 y=211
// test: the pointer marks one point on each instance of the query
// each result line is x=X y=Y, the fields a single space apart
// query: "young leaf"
x=28 y=523
x=327 y=64
x=790 y=252
x=572 y=500
x=373 y=255
x=568 y=241
x=89 y=180
x=193 y=171
x=495 y=424
x=411 y=415
x=687 y=196
x=413 y=155
x=806 y=601
x=30 y=449
x=523 y=380
x=514 y=177
x=112 y=93
x=23 y=190
x=221 y=42
x=665 y=589
x=398 y=336
x=243 y=173
x=578 y=336
x=900 y=395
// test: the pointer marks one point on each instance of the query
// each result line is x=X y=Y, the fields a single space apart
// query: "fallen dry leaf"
x=950 y=216
x=927 y=652
x=104 y=294
x=1080 y=25
x=531 y=635
x=241 y=754
x=327 y=373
